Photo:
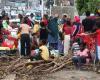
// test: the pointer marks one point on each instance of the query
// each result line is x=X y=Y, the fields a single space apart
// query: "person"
x=40 y=53
x=20 y=16
x=43 y=31
x=35 y=53
x=5 y=22
x=67 y=32
x=75 y=47
x=88 y=22
x=45 y=19
x=32 y=18
x=82 y=56
x=44 y=50
x=76 y=28
x=1 y=26
x=53 y=35
x=25 y=38
x=97 y=33
x=36 y=31
x=64 y=19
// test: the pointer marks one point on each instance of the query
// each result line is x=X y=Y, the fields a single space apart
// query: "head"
x=45 y=16
x=31 y=15
x=87 y=13
x=36 y=21
x=43 y=42
x=68 y=22
x=24 y=20
x=82 y=46
x=76 y=19
x=42 y=24
x=20 y=16
x=64 y=16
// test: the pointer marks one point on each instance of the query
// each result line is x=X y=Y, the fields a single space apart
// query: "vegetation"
x=84 y=5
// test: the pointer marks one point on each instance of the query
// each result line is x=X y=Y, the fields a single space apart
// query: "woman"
x=67 y=32
x=25 y=38
x=53 y=35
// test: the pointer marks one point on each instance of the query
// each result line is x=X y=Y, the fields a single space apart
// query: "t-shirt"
x=83 y=53
x=45 y=52
x=75 y=47
x=25 y=29
x=43 y=34
x=36 y=28
x=5 y=25
x=66 y=30
x=98 y=37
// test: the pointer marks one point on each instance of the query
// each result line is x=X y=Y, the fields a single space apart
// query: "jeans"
x=25 y=44
x=79 y=60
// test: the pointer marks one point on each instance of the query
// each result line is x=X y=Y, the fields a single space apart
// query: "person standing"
x=67 y=32
x=53 y=35
x=25 y=38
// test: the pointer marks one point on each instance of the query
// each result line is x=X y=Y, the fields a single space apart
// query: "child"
x=44 y=50
x=34 y=53
x=41 y=53
x=82 y=56
x=75 y=47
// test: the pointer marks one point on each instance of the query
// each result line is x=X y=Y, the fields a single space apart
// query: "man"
x=88 y=22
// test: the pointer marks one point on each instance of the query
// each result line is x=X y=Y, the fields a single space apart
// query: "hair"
x=20 y=16
x=68 y=22
x=46 y=16
x=83 y=45
x=32 y=14
x=64 y=16
x=42 y=24
x=43 y=42
x=24 y=20
x=87 y=13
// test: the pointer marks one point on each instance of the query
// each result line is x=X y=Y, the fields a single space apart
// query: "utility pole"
x=42 y=11
x=51 y=4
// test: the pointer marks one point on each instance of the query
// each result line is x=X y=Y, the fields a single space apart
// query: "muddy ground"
x=73 y=75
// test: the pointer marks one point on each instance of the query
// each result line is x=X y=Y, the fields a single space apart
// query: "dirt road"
x=73 y=75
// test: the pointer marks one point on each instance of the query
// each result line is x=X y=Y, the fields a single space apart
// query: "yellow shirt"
x=36 y=28
x=45 y=52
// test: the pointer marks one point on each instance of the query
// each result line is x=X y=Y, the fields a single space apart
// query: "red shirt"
x=98 y=37
x=66 y=30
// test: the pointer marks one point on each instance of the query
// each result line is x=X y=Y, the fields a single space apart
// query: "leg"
x=75 y=61
x=66 y=44
x=27 y=45
x=22 y=42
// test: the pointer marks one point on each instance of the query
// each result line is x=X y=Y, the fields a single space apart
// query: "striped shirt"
x=75 y=48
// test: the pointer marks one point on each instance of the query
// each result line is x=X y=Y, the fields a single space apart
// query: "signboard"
x=7 y=8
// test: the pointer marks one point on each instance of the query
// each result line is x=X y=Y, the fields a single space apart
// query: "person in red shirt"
x=45 y=20
x=67 y=32
x=98 y=39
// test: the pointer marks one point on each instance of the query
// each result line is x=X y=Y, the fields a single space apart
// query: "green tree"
x=84 y=5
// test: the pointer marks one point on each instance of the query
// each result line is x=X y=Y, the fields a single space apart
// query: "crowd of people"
x=53 y=35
